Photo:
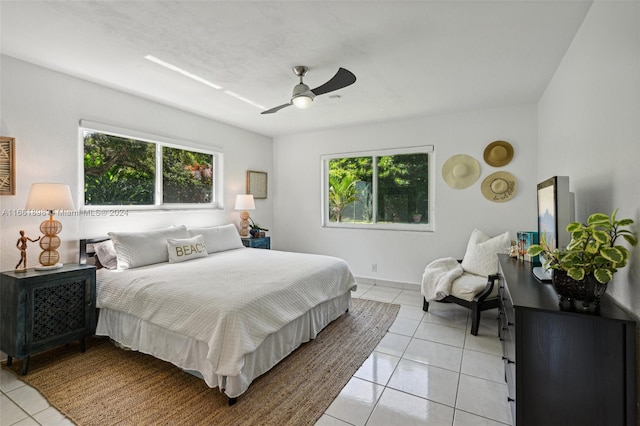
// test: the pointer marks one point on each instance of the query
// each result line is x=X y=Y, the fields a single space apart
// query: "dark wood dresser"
x=43 y=309
x=563 y=366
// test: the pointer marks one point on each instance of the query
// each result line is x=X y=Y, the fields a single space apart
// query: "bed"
x=227 y=313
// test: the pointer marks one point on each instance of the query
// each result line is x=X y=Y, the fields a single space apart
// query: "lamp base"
x=48 y=268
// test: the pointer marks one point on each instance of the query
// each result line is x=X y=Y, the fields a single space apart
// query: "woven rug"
x=108 y=386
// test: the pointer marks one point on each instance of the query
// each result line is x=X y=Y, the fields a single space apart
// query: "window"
x=124 y=170
x=388 y=189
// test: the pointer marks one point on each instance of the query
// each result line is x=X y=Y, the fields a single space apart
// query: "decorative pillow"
x=106 y=254
x=186 y=249
x=481 y=255
x=219 y=238
x=135 y=249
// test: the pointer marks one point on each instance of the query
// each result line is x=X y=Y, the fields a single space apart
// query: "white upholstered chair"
x=471 y=282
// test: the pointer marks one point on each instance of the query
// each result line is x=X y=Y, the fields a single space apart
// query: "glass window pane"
x=118 y=171
x=350 y=190
x=187 y=176
x=403 y=188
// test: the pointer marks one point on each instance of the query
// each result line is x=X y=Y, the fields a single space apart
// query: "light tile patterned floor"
x=427 y=370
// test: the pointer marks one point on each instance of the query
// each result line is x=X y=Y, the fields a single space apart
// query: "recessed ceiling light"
x=181 y=71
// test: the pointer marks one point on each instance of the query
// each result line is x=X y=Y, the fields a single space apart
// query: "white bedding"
x=229 y=300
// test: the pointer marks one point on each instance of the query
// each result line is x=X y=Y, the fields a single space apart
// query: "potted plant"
x=256 y=230
x=583 y=269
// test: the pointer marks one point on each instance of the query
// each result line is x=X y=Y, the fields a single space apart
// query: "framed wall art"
x=7 y=166
x=257 y=184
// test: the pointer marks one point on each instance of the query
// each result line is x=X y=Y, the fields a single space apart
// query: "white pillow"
x=106 y=254
x=135 y=249
x=186 y=249
x=481 y=255
x=219 y=238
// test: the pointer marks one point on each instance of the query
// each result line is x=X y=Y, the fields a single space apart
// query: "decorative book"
x=525 y=240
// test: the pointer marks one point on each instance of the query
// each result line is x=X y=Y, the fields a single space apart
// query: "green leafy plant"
x=256 y=226
x=592 y=249
x=342 y=192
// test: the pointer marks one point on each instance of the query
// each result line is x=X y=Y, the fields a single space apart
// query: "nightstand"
x=260 y=242
x=40 y=310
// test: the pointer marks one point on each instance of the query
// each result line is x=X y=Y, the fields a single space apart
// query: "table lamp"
x=50 y=197
x=244 y=202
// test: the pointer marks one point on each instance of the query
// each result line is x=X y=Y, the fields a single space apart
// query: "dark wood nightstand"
x=40 y=310
x=260 y=242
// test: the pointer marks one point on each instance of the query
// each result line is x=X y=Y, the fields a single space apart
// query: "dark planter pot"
x=588 y=291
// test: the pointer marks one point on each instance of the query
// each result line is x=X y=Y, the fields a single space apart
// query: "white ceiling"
x=411 y=58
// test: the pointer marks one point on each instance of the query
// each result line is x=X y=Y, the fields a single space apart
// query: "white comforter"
x=231 y=300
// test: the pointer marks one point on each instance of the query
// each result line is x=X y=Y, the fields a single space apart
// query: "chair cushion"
x=481 y=255
x=468 y=285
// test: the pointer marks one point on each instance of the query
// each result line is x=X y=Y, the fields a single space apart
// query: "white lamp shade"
x=245 y=202
x=49 y=196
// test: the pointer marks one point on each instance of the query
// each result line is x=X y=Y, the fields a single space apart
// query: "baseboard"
x=388 y=283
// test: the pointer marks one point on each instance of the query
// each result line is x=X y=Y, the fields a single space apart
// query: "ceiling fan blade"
x=343 y=78
x=276 y=109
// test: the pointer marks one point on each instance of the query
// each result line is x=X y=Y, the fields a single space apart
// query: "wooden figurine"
x=21 y=244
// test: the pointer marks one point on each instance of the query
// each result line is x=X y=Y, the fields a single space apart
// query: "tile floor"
x=427 y=370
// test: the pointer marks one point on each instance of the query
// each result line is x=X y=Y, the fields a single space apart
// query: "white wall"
x=402 y=255
x=41 y=110
x=589 y=125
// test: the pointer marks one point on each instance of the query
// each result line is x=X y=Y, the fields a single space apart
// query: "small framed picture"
x=257 y=183
x=7 y=166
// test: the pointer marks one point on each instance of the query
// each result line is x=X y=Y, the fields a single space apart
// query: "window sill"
x=412 y=227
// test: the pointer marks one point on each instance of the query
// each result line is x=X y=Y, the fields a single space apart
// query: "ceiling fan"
x=302 y=97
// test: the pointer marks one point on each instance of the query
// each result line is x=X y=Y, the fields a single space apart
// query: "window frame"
x=421 y=227
x=159 y=142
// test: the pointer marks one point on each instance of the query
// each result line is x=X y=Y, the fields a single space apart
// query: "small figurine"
x=21 y=244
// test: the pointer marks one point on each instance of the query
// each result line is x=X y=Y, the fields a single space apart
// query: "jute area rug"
x=109 y=386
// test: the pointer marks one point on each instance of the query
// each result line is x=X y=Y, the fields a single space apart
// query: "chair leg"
x=475 y=319
x=425 y=304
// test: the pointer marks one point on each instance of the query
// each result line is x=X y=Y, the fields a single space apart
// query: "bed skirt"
x=191 y=355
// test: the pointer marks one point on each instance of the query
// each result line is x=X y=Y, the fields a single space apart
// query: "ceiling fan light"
x=302 y=101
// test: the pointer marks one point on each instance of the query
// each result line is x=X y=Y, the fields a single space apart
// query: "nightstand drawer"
x=260 y=242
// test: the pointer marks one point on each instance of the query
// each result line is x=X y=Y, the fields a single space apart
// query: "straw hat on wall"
x=460 y=171
x=499 y=187
x=498 y=153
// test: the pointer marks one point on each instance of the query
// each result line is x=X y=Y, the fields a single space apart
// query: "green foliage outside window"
x=122 y=171
x=187 y=176
x=401 y=183
x=118 y=171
